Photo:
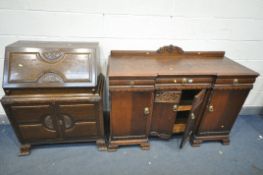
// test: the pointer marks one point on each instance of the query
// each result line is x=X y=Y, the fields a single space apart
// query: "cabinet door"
x=130 y=114
x=34 y=123
x=77 y=121
x=195 y=111
x=222 y=111
x=164 y=113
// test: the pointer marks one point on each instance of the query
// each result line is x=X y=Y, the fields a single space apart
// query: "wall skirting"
x=255 y=110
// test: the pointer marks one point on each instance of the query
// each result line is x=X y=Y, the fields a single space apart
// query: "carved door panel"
x=194 y=113
x=222 y=111
x=164 y=113
x=130 y=114
x=38 y=124
x=77 y=120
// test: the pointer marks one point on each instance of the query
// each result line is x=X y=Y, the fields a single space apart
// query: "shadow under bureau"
x=54 y=93
x=160 y=93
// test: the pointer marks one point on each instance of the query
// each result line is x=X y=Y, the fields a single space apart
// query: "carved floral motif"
x=167 y=96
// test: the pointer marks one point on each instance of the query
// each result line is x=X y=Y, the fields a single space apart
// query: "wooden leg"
x=112 y=147
x=25 y=150
x=145 y=146
x=101 y=145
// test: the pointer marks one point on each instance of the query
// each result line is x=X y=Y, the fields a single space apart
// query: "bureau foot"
x=25 y=150
x=112 y=147
x=145 y=146
x=226 y=141
x=101 y=145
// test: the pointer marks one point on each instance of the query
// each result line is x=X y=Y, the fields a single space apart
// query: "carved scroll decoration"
x=170 y=50
x=48 y=122
x=67 y=121
x=50 y=78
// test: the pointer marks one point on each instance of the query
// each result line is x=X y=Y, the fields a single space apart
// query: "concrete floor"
x=243 y=156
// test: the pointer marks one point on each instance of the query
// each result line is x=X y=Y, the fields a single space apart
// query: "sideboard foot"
x=25 y=150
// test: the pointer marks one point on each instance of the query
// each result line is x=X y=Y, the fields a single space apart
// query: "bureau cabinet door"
x=222 y=111
x=194 y=114
x=77 y=120
x=130 y=114
x=34 y=123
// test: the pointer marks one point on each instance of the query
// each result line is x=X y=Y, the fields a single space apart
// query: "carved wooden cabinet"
x=160 y=93
x=54 y=93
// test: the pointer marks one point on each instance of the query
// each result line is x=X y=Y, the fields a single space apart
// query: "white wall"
x=235 y=26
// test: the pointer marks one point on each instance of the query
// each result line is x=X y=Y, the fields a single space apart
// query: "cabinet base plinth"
x=25 y=150
x=196 y=141
x=115 y=144
x=101 y=145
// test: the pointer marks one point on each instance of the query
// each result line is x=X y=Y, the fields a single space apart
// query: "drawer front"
x=81 y=130
x=30 y=114
x=184 y=80
x=132 y=82
x=35 y=132
x=235 y=80
x=79 y=112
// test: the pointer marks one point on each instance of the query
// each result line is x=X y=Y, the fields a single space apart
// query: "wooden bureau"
x=160 y=93
x=54 y=93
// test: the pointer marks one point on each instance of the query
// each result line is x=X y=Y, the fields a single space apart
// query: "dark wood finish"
x=194 y=114
x=54 y=93
x=172 y=69
x=164 y=113
x=132 y=111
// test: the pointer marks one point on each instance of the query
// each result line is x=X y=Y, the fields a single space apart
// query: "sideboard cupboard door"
x=222 y=111
x=38 y=124
x=130 y=114
x=195 y=112
x=164 y=113
x=220 y=115
x=77 y=121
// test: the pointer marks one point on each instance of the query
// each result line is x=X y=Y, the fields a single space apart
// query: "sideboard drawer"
x=235 y=80
x=132 y=82
x=184 y=80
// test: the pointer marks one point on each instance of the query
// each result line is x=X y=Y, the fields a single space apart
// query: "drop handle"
x=146 y=111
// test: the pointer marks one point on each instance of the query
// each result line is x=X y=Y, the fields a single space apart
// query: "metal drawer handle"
x=192 y=116
x=235 y=81
x=174 y=108
x=146 y=111
x=184 y=80
x=190 y=81
x=211 y=108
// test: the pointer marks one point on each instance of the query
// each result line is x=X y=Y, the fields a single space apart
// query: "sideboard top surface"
x=173 y=62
